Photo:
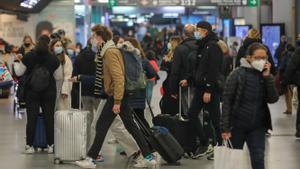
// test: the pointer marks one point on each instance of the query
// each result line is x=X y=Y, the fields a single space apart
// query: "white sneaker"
x=50 y=149
x=112 y=141
x=29 y=149
x=145 y=163
x=139 y=159
x=87 y=163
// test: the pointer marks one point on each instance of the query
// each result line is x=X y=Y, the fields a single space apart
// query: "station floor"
x=283 y=149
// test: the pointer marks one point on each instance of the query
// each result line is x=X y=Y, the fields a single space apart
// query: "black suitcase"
x=162 y=141
x=180 y=128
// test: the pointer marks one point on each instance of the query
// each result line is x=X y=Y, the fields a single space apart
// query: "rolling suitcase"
x=40 y=140
x=162 y=141
x=70 y=134
x=179 y=127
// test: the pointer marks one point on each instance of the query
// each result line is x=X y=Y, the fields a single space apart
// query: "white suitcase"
x=70 y=134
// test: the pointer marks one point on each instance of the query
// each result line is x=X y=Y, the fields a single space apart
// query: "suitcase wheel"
x=57 y=161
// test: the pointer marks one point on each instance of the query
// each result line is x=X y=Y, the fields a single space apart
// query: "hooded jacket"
x=137 y=101
x=113 y=72
x=180 y=66
x=209 y=63
x=292 y=73
x=243 y=50
x=246 y=97
x=85 y=66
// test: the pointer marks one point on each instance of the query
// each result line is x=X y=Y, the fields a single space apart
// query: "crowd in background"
x=195 y=59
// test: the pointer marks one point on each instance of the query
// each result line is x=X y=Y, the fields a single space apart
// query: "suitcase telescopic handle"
x=180 y=103
x=80 y=91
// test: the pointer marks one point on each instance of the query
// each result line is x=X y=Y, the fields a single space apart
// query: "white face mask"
x=259 y=64
x=169 y=46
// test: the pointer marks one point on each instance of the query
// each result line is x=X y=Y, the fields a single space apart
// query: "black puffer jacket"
x=243 y=108
x=209 y=63
x=243 y=50
x=180 y=69
x=292 y=73
x=85 y=65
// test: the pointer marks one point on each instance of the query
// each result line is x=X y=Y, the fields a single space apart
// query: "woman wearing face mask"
x=40 y=55
x=27 y=46
x=246 y=115
x=62 y=75
x=170 y=103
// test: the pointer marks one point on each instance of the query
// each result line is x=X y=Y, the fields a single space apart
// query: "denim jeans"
x=255 y=140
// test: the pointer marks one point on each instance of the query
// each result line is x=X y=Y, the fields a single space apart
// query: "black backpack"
x=39 y=78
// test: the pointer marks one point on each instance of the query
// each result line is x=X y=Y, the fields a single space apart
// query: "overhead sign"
x=252 y=3
x=112 y=3
x=230 y=2
x=154 y=3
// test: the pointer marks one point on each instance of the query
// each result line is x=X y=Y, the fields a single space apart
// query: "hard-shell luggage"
x=179 y=127
x=162 y=141
x=40 y=139
x=70 y=134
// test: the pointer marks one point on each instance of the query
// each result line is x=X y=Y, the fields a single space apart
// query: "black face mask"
x=27 y=45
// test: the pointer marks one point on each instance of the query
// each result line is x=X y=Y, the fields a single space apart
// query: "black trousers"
x=213 y=107
x=104 y=122
x=34 y=101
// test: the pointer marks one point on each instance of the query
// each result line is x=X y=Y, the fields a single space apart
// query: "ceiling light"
x=29 y=3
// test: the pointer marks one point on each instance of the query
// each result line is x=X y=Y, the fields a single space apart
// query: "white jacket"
x=62 y=76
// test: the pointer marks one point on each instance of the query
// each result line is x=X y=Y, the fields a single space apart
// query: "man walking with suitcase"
x=112 y=79
x=207 y=93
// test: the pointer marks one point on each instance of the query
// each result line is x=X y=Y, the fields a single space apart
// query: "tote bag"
x=228 y=158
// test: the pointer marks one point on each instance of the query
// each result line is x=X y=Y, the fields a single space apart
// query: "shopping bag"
x=228 y=158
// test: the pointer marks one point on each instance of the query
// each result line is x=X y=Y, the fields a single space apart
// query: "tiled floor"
x=283 y=150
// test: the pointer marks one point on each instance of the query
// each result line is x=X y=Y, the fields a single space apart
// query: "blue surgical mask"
x=58 y=50
x=197 y=35
x=70 y=52
x=94 y=46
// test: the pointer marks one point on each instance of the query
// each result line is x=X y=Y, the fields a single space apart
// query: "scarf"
x=99 y=87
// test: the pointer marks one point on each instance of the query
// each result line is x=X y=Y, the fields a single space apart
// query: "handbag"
x=226 y=157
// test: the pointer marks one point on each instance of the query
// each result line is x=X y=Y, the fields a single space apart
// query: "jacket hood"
x=107 y=45
x=210 y=37
x=128 y=47
x=88 y=54
x=245 y=63
x=248 y=41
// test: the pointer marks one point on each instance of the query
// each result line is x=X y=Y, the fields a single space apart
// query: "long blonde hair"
x=175 y=41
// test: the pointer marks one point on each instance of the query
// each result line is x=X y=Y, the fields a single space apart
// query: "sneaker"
x=29 y=149
x=99 y=159
x=210 y=149
x=287 y=113
x=50 y=149
x=139 y=159
x=297 y=134
x=211 y=157
x=200 y=152
x=87 y=163
x=147 y=162
x=112 y=141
